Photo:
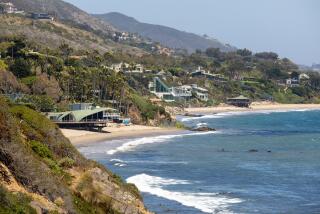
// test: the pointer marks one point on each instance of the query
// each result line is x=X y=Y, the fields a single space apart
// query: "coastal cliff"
x=41 y=172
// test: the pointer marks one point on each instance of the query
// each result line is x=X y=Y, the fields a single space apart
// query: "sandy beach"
x=81 y=137
x=256 y=106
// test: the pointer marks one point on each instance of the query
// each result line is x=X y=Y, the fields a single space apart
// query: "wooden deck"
x=82 y=125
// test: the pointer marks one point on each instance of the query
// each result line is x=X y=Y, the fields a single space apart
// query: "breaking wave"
x=129 y=146
x=230 y=114
x=206 y=202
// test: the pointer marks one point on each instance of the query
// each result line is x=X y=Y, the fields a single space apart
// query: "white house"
x=201 y=93
x=207 y=74
x=120 y=67
x=9 y=8
x=177 y=93
x=293 y=82
x=138 y=68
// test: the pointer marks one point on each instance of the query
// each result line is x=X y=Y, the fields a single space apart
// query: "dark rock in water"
x=203 y=129
x=269 y=151
x=192 y=115
x=253 y=150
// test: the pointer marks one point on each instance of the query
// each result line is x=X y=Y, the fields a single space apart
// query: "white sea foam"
x=129 y=146
x=201 y=125
x=230 y=114
x=117 y=160
x=206 y=202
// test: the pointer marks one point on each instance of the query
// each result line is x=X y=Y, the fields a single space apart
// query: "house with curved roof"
x=95 y=114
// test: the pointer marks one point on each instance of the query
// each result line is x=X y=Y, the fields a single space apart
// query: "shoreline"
x=253 y=108
x=82 y=137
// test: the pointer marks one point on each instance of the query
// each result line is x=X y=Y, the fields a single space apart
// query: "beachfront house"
x=84 y=116
x=240 y=101
x=81 y=112
x=182 y=93
x=201 y=93
x=161 y=90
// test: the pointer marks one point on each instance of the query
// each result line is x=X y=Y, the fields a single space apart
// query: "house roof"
x=80 y=115
x=241 y=97
x=59 y=115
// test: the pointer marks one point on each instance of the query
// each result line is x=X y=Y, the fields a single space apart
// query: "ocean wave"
x=120 y=164
x=129 y=146
x=117 y=160
x=158 y=162
x=240 y=113
x=201 y=125
x=206 y=202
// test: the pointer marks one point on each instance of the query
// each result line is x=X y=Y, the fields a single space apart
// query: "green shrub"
x=147 y=109
x=84 y=207
x=29 y=80
x=287 y=98
x=179 y=125
x=66 y=163
x=53 y=165
x=41 y=103
x=3 y=65
x=40 y=149
x=14 y=203
x=21 y=68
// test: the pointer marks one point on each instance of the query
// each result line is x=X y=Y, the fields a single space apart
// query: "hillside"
x=52 y=34
x=41 y=171
x=167 y=36
x=64 y=11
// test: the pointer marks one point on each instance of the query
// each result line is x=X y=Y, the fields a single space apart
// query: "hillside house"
x=120 y=67
x=127 y=68
x=293 y=82
x=122 y=36
x=42 y=16
x=136 y=69
x=9 y=8
x=206 y=74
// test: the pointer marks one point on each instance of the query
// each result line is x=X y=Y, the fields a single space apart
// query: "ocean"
x=261 y=162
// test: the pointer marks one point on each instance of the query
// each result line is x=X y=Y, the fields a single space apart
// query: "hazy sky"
x=289 y=27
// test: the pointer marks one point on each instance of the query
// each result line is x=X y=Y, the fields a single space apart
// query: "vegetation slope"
x=41 y=171
x=64 y=12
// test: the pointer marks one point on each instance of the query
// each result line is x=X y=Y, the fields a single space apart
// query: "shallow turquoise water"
x=217 y=173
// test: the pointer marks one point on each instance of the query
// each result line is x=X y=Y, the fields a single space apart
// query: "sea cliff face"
x=40 y=171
